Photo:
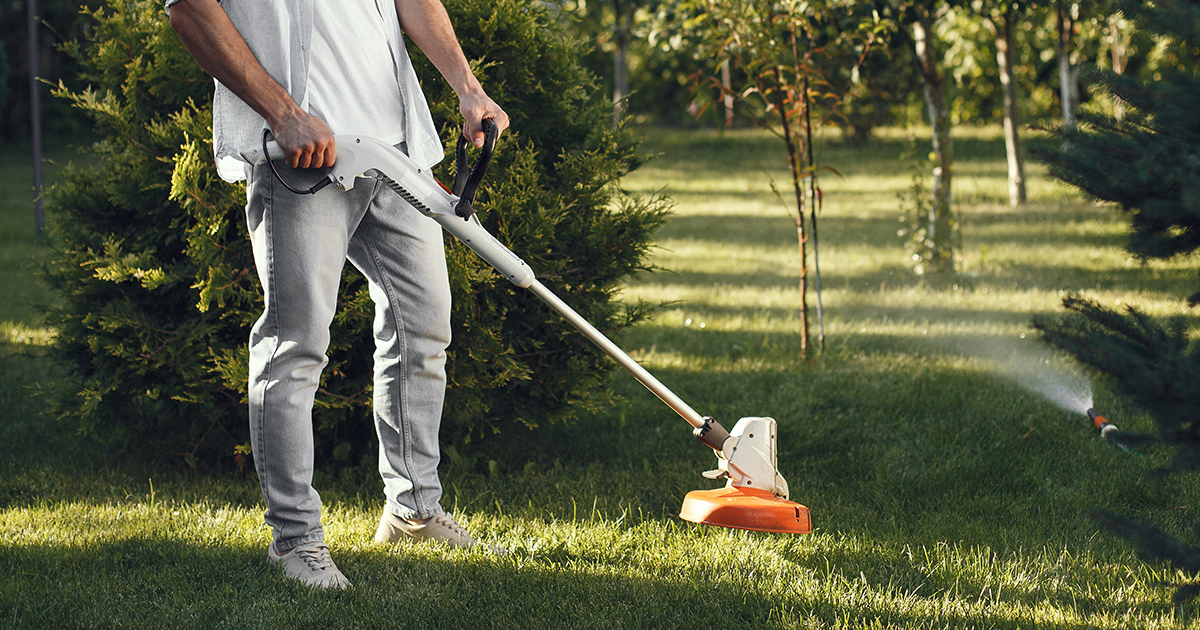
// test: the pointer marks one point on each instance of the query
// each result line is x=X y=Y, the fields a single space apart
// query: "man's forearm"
x=215 y=43
x=428 y=26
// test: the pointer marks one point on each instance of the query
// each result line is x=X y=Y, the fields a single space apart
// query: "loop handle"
x=466 y=180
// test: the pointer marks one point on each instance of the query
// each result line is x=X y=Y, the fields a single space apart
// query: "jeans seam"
x=268 y=203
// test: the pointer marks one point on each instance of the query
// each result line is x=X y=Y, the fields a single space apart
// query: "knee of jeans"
x=291 y=351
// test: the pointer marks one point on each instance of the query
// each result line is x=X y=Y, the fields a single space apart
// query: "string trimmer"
x=755 y=495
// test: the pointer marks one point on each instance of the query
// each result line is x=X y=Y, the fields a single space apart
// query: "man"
x=304 y=70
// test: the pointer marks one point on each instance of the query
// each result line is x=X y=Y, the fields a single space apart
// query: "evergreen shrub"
x=1146 y=162
x=157 y=279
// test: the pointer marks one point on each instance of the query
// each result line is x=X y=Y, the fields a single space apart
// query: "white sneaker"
x=311 y=564
x=440 y=529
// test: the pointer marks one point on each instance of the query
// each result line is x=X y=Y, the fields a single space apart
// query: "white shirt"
x=351 y=76
x=280 y=35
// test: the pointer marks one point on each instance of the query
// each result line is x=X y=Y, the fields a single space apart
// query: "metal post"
x=35 y=118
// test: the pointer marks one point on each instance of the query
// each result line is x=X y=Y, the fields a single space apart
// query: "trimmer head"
x=756 y=495
x=746 y=508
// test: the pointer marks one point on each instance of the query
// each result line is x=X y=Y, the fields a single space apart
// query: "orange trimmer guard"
x=746 y=508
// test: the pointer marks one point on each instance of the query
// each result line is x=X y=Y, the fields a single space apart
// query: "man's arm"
x=428 y=25
x=213 y=40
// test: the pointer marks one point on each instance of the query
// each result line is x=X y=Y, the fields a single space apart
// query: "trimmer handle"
x=466 y=180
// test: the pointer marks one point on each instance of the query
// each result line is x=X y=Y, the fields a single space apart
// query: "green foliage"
x=661 y=54
x=1156 y=366
x=1146 y=162
x=157 y=277
x=875 y=88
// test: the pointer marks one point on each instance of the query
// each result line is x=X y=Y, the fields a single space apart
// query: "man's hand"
x=306 y=140
x=475 y=108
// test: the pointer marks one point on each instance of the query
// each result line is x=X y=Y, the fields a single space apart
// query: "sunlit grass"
x=188 y=558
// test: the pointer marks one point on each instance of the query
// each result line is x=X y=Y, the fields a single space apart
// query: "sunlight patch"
x=17 y=333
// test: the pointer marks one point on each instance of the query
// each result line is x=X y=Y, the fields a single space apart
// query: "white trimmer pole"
x=640 y=373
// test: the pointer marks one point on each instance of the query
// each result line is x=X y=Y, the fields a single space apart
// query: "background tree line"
x=943 y=63
x=647 y=54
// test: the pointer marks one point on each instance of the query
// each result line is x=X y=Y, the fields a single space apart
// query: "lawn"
x=947 y=487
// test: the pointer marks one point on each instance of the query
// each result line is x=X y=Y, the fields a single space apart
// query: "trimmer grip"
x=711 y=433
x=274 y=151
x=466 y=180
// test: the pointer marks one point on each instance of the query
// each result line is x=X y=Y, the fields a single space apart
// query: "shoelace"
x=447 y=521
x=317 y=558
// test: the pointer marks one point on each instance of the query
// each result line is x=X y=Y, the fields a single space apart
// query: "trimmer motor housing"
x=755 y=496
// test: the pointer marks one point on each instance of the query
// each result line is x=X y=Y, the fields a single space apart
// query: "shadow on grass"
x=1170 y=283
x=991 y=229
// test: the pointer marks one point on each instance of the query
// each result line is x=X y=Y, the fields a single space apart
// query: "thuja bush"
x=159 y=290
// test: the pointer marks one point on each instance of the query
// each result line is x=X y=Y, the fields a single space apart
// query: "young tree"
x=613 y=25
x=1066 y=17
x=1145 y=161
x=623 y=11
x=1001 y=18
x=936 y=230
x=778 y=46
x=58 y=20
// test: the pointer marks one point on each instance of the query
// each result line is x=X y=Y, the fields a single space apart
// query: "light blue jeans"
x=301 y=243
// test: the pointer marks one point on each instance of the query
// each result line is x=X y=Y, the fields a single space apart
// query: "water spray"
x=1109 y=431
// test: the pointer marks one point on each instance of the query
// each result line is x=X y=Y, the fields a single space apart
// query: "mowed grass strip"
x=944 y=492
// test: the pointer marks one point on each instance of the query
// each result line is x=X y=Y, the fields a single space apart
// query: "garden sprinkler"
x=1109 y=431
x=755 y=495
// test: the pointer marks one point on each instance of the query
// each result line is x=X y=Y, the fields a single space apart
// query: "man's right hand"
x=207 y=33
x=306 y=140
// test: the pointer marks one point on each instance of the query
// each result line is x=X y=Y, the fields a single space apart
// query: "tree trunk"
x=941 y=221
x=1068 y=75
x=785 y=100
x=622 y=25
x=1119 y=58
x=1002 y=30
x=727 y=93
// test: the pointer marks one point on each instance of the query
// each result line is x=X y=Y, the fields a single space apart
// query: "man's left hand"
x=475 y=108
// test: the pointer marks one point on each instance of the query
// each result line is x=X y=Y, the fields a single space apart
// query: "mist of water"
x=1030 y=365
x=1068 y=390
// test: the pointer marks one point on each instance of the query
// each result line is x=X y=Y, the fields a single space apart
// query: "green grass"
x=944 y=493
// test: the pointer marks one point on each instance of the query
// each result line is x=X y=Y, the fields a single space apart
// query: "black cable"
x=325 y=181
